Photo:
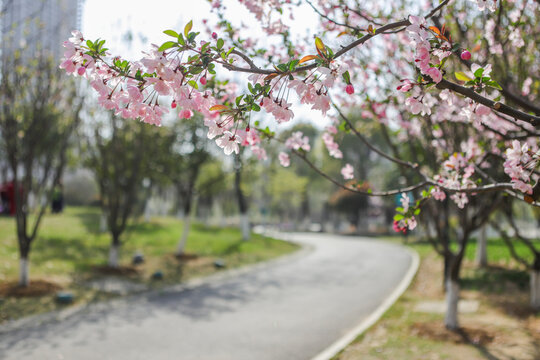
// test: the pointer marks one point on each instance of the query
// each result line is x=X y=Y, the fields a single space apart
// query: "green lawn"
x=69 y=246
x=497 y=251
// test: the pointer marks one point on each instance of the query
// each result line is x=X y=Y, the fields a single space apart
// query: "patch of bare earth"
x=186 y=257
x=34 y=289
x=118 y=270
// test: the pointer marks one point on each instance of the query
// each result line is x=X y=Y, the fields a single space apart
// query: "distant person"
x=57 y=199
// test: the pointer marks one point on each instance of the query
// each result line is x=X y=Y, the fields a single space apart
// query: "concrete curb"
x=352 y=334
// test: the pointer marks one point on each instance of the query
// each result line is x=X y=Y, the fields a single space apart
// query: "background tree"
x=39 y=112
x=119 y=154
x=187 y=153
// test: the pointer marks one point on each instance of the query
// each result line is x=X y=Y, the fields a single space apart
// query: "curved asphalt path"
x=289 y=309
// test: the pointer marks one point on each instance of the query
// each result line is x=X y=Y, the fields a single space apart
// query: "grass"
x=69 y=247
x=503 y=319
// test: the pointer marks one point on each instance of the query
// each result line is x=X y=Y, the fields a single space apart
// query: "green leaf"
x=398 y=217
x=417 y=212
x=494 y=84
x=188 y=27
x=220 y=43
x=293 y=64
x=320 y=45
x=181 y=40
x=167 y=45
x=238 y=99
x=282 y=67
x=196 y=70
x=478 y=73
x=461 y=76
x=172 y=33
x=255 y=107
x=346 y=77
x=193 y=84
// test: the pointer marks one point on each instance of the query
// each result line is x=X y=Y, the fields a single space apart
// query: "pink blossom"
x=347 y=172
x=298 y=141
x=284 y=159
x=229 y=143
x=322 y=103
x=435 y=74
x=438 y=194
x=185 y=114
x=405 y=201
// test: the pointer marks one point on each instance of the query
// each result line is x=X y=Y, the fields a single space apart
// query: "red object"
x=7 y=196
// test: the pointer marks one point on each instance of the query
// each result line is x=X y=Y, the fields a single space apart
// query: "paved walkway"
x=290 y=309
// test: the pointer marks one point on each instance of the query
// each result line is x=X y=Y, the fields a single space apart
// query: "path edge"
x=368 y=322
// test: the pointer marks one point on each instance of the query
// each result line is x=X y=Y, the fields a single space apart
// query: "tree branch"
x=497 y=106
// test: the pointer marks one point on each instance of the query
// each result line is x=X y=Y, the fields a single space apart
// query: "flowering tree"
x=418 y=70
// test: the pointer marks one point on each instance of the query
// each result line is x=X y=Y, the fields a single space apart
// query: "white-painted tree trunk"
x=183 y=239
x=535 y=289
x=102 y=223
x=147 y=211
x=113 y=255
x=245 y=227
x=481 y=248
x=452 y=298
x=23 y=272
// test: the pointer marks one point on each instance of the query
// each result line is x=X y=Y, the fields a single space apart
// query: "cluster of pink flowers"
x=520 y=161
x=280 y=109
x=329 y=142
x=297 y=141
x=420 y=37
x=347 y=172
x=131 y=97
x=407 y=219
x=455 y=174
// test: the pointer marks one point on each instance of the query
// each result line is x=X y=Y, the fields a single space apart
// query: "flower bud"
x=465 y=55
x=349 y=89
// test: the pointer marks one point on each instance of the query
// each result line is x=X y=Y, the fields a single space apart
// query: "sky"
x=147 y=19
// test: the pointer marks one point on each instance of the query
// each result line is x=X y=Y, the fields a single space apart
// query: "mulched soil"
x=120 y=270
x=34 y=289
x=186 y=257
x=464 y=335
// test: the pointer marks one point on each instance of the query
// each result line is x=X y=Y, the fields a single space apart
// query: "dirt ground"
x=503 y=328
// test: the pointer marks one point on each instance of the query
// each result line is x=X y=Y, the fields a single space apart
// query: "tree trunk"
x=23 y=274
x=535 y=289
x=147 y=211
x=452 y=299
x=245 y=227
x=481 y=248
x=185 y=232
x=242 y=203
x=102 y=223
x=114 y=251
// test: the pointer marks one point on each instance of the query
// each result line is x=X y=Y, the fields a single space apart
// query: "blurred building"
x=33 y=26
